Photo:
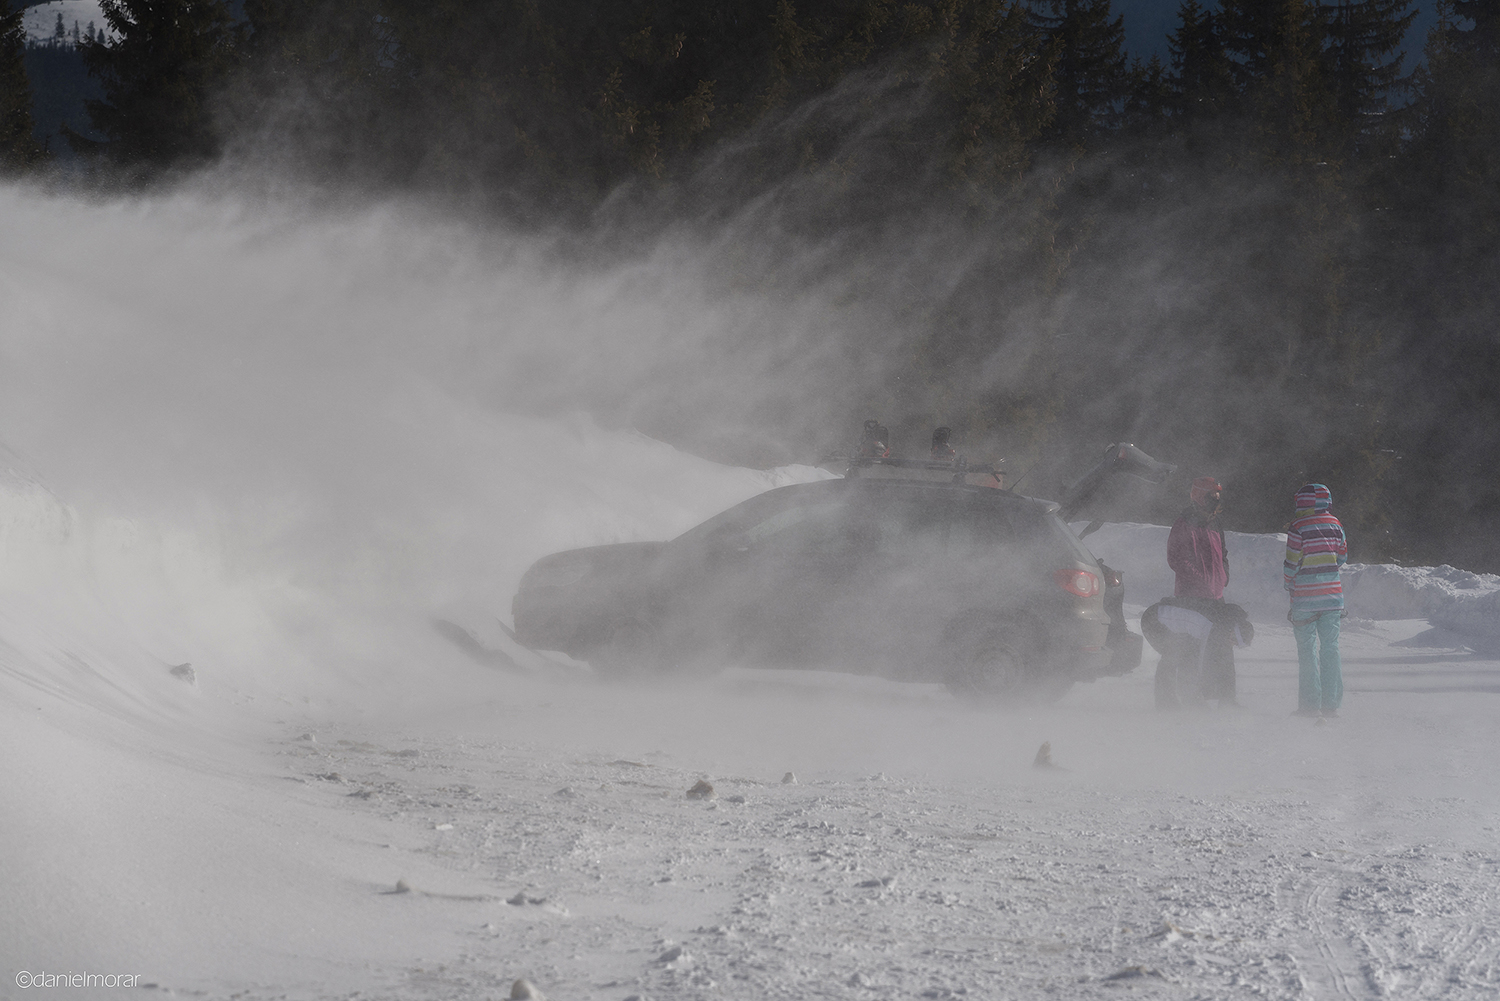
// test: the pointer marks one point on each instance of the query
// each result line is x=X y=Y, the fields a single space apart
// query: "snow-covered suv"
x=912 y=578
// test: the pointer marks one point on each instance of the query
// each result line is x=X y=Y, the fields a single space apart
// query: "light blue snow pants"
x=1320 y=681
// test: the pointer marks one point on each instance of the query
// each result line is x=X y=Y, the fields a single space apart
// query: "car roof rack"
x=874 y=453
x=959 y=466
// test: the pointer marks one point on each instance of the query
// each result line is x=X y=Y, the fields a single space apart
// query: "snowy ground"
x=920 y=854
x=220 y=842
x=331 y=800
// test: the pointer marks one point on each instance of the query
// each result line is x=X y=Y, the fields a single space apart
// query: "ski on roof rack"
x=874 y=453
x=959 y=465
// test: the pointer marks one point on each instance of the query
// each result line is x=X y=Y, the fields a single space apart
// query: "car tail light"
x=1079 y=582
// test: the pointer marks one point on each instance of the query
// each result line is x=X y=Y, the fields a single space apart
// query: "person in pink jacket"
x=1195 y=546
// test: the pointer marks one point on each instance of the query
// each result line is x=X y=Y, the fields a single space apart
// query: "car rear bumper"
x=1121 y=656
x=1090 y=662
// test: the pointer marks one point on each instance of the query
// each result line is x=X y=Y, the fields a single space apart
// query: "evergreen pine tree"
x=1200 y=82
x=1455 y=118
x=1483 y=39
x=1364 y=67
x=1090 y=66
x=159 y=74
x=319 y=89
x=18 y=146
x=1446 y=213
x=1150 y=102
x=340 y=38
x=1276 y=57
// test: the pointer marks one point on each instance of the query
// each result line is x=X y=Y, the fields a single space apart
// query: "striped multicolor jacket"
x=1315 y=549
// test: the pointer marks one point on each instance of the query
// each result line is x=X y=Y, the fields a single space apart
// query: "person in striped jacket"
x=1315 y=549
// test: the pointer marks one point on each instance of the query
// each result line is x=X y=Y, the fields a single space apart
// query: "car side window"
x=814 y=525
x=902 y=528
x=983 y=526
x=898 y=524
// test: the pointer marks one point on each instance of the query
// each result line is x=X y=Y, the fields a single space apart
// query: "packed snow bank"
x=121 y=615
x=279 y=604
x=1454 y=599
x=1457 y=600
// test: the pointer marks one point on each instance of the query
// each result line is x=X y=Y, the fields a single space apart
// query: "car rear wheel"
x=1000 y=659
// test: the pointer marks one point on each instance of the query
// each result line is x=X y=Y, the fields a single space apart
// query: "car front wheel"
x=635 y=649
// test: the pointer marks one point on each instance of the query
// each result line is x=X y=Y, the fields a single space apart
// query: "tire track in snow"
x=1333 y=953
x=1322 y=948
x=1472 y=961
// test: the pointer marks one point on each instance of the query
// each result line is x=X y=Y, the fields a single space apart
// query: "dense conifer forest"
x=1273 y=257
